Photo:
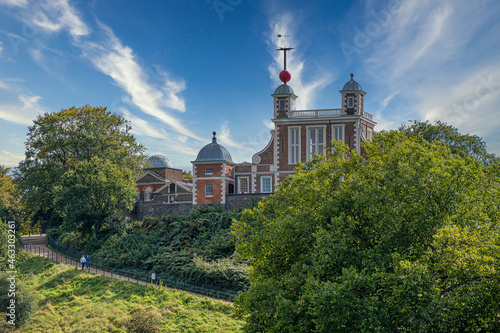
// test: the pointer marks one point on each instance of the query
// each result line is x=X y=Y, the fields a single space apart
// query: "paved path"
x=36 y=244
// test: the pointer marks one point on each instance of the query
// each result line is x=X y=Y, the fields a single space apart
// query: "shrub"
x=144 y=320
x=25 y=301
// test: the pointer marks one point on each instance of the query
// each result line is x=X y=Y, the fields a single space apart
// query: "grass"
x=72 y=300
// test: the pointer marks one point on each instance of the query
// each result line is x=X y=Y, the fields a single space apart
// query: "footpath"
x=36 y=245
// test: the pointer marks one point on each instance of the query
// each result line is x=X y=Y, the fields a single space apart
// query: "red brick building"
x=161 y=183
x=298 y=135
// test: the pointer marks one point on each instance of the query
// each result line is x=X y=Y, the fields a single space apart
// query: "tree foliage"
x=80 y=165
x=406 y=240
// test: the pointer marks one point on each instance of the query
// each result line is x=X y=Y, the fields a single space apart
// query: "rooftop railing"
x=321 y=113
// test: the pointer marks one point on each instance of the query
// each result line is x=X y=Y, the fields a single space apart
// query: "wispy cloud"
x=9 y=159
x=286 y=24
x=24 y=112
x=152 y=91
x=224 y=137
x=16 y=3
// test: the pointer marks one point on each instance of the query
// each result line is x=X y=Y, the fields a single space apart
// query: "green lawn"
x=72 y=300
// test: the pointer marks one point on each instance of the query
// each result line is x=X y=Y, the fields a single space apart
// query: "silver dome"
x=158 y=161
x=214 y=152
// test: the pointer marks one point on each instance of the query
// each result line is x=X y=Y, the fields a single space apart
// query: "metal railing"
x=315 y=113
x=104 y=267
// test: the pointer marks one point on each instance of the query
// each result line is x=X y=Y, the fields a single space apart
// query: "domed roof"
x=352 y=85
x=284 y=89
x=213 y=152
x=158 y=161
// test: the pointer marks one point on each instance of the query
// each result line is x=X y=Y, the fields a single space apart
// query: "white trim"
x=239 y=183
x=332 y=130
x=291 y=129
x=270 y=183
x=308 y=128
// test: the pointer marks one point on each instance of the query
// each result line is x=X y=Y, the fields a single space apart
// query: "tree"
x=463 y=145
x=80 y=165
x=187 y=175
x=405 y=240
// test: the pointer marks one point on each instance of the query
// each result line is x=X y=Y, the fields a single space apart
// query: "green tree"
x=461 y=144
x=406 y=240
x=187 y=175
x=9 y=196
x=73 y=157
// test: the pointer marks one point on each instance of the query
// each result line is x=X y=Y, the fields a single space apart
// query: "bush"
x=144 y=320
x=25 y=301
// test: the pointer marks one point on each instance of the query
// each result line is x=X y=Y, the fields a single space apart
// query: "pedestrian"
x=87 y=262
x=153 y=277
x=83 y=260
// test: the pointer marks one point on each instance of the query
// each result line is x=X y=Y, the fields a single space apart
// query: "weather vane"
x=284 y=49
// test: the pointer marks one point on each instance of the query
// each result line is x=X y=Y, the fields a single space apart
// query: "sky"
x=180 y=69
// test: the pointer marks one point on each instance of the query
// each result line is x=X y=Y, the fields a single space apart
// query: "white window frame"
x=292 y=144
x=262 y=179
x=350 y=102
x=369 y=134
x=209 y=187
x=248 y=184
x=147 y=193
x=209 y=171
x=335 y=133
x=310 y=155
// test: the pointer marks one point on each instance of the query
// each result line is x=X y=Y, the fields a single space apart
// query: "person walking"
x=83 y=260
x=153 y=277
x=87 y=262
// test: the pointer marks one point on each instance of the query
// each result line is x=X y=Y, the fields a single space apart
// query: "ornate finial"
x=352 y=75
x=214 y=139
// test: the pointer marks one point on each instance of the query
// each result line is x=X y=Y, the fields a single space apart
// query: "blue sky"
x=179 y=70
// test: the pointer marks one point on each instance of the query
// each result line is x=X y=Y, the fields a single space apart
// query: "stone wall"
x=245 y=200
x=161 y=209
x=233 y=201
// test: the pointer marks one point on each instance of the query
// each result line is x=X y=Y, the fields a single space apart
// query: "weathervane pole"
x=284 y=49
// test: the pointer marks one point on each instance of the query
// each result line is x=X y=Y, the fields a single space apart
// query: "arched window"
x=172 y=188
x=147 y=193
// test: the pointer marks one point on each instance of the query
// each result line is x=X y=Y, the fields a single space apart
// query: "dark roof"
x=213 y=152
x=158 y=161
x=352 y=85
x=284 y=89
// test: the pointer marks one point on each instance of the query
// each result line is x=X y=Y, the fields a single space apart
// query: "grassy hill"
x=71 y=300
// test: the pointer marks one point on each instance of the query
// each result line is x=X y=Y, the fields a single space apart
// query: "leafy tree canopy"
x=406 y=240
x=461 y=144
x=80 y=166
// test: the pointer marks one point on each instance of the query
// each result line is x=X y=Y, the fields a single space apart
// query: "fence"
x=72 y=257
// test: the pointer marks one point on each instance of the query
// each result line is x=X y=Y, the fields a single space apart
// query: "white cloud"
x=285 y=24
x=1 y=48
x=15 y=3
x=57 y=15
x=23 y=113
x=224 y=137
x=9 y=159
x=119 y=62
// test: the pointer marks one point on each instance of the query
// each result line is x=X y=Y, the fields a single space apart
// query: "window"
x=350 y=102
x=243 y=184
x=338 y=133
x=369 y=134
x=209 y=190
x=294 y=139
x=265 y=184
x=282 y=105
x=147 y=194
x=209 y=171
x=316 y=141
